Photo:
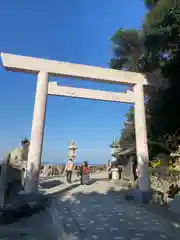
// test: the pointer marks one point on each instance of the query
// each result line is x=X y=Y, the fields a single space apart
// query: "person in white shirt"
x=69 y=169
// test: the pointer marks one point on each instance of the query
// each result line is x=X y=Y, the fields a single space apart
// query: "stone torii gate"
x=44 y=68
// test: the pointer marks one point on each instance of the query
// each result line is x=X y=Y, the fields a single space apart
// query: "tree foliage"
x=128 y=132
x=162 y=31
x=128 y=46
x=155 y=52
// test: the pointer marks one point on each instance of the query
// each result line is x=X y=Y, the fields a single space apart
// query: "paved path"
x=91 y=212
x=98 y=212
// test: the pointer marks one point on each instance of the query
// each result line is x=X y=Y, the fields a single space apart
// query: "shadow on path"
x=69 y=188
x=51 y=184
x=105 y=215
x=92 y=212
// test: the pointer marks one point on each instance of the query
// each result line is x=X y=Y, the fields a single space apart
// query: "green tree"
x=162 y=30
x=154 y=51
x=128 y=132
x=128 y=49
x=129 y=54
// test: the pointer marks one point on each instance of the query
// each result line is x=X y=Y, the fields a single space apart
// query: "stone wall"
x=161 y=184
x=161 y=187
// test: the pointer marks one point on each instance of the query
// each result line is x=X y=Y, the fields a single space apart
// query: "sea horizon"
x=76 y=162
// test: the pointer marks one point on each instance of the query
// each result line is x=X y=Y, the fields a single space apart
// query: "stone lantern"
x=25 y=148
x=24 y=157
x=114 y=149
x=72 y=150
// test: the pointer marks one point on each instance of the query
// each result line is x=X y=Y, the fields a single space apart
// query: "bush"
x=173 y=190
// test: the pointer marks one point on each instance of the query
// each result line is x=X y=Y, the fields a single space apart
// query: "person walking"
x=81 y=173
x=85 y=173
x=69 y=169
x=109 y=169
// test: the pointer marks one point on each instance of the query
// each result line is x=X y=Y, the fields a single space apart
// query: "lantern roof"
x=72 y=145
x=114 y=143
x=25 y=141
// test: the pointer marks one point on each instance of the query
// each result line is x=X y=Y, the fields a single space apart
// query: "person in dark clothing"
x=134 y=169
x=85 y=164
x=77 y=171
x=81 y=173
x=108 y=169
x=85 y=173
x=69 y=176
x=109 y=174
x=120 y=171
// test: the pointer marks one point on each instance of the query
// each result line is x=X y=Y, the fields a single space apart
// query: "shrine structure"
x=44 y=68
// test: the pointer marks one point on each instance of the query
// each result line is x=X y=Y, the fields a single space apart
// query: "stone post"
x=141 y=141
x=24 y=156
x=35 y=148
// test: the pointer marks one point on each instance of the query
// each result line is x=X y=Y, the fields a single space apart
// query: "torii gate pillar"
x=141 y=142
x=37 y=133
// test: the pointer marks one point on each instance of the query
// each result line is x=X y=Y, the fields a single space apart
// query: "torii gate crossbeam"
x=44 y=68
x=56 y=90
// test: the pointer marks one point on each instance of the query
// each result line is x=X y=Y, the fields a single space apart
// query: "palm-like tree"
x=150 y=3
x=155 y=52
x=162 y=29
x=128 y=47
x=129 y=54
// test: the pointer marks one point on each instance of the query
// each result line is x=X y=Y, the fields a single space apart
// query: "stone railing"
x=57 y=170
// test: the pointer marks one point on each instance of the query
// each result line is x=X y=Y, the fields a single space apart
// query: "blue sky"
x=66 y=30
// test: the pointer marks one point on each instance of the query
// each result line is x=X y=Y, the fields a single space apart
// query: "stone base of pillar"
x=145 y=197
x=138 y=195
x=141 y=197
